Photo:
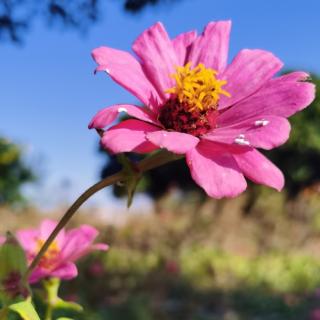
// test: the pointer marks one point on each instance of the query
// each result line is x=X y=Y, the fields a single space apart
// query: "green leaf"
x=12 y=268
x=12 y=257
x=61 y=304
x=51 y=287
x=64 y=319
x=25 y=309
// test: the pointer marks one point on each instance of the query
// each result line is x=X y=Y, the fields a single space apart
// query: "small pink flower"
x=197 y=105
x=2 y=240
x=59 y=259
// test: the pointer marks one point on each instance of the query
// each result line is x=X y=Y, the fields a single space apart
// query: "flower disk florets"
x=51 y=257
x=177 y=116
x=195 y=97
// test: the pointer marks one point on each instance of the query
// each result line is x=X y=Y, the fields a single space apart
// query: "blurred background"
x=176 y=254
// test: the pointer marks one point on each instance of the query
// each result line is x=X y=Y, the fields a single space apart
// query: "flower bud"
x=13 y=265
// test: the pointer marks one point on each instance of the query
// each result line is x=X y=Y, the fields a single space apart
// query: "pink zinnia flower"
x=59 y=259
x=197 y=105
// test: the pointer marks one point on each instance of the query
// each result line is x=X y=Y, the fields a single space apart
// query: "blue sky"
x=48 y=92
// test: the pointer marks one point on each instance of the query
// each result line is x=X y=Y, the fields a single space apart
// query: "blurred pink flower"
x=197 y=105
x=315 y=314
x=172 y=266
x=2 y=240
x=59 y=259
x=96 y=269
x=317 y=293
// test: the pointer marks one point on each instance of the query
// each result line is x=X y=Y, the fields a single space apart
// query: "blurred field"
x=203 y=260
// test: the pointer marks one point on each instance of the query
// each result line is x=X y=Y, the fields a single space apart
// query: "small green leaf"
x=132 y=177
x=51 y=287
x=132 y=183
x=61 y=304
x=25 y=309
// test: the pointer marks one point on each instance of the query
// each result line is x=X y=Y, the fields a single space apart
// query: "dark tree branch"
x=16 y=16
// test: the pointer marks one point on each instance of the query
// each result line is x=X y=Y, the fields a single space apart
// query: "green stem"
x=51 y=287
x=49 y=313
x=155 y=160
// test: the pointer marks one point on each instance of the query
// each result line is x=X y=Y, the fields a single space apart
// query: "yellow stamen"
x=198 y=87
x=51 y=253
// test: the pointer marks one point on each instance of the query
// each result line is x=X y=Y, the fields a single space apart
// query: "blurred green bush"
x=13 y=172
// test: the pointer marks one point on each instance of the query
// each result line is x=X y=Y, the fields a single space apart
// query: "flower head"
x=59 y=259
x=195 y=104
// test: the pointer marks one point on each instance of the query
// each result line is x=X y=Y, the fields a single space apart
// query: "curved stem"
x=155 y=160
x=69 y=214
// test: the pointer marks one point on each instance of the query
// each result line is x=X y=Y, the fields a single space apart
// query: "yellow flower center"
x=50 y=256
x=198 y=87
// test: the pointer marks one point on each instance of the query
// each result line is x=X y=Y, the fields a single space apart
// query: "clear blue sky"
x=48 y=92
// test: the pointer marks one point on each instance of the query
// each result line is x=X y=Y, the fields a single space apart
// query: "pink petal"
x=158 y=57
x=247 y=73
x=265 y=132
x=38 y=274
x=28 y=239
x=282 y=96
x=259 y=169
x=182 y=44
x=129 y=135
x=46 y=228
x=211 y=48
x=124 y=69
x=2 y=240
x=107 y=115
x=176 y=142
x=216 y=172
x=78 y=242
x=65 y=271
x=85 y=251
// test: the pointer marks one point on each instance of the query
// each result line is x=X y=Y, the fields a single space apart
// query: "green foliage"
x=207 y=268
x=282 y=273
x=13 y=172
x=208 y=284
